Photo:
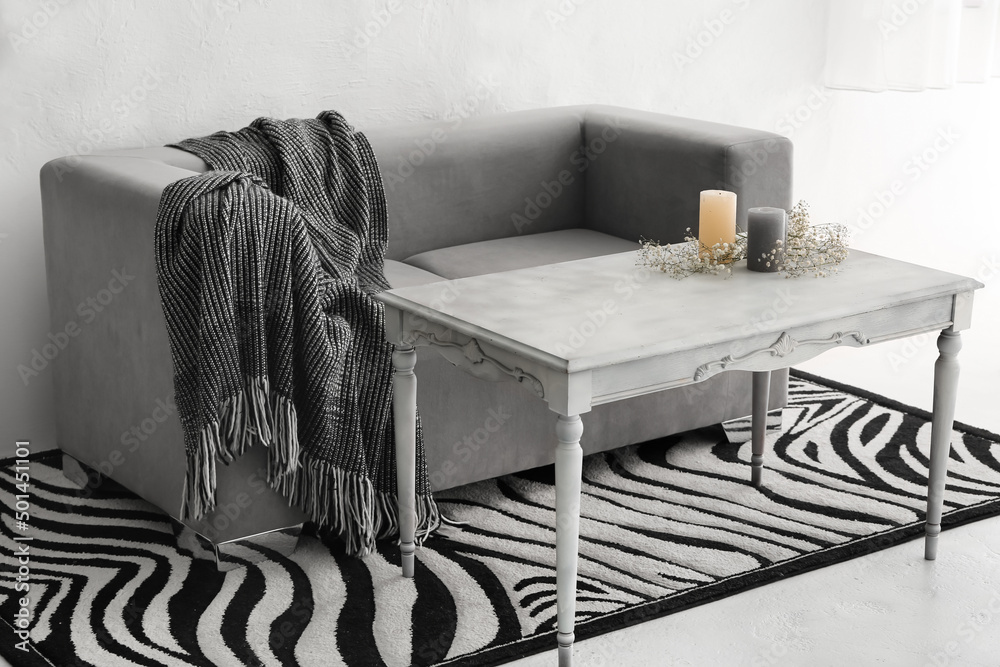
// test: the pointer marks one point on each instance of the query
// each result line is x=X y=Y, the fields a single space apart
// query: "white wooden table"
x=640 y=331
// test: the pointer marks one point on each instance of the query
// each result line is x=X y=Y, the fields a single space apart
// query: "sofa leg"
x=79 y=474
x=237 y=553
x=738 y=430
x=85 y=477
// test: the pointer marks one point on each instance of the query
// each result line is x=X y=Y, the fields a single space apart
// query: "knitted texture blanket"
x=267 y=266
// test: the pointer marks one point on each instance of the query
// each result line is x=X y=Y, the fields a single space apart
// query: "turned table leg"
x=758 y=424
x=569 y=470
x=404 y=415
x=945 y=391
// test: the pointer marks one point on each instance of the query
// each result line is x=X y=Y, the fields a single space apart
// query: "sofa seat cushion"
x=519 y=252
x=404 y=275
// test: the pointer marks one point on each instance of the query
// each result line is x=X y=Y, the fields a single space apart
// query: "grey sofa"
x=465 y=196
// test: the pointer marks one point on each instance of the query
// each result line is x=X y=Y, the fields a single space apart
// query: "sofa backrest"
x=623 y=172
x=475 y=179
x=646 y=171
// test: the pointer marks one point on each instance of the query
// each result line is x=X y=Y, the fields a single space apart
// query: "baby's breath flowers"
x=679 y=260
x=816 y=249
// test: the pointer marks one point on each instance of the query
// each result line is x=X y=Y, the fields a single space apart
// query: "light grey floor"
x=892 y=608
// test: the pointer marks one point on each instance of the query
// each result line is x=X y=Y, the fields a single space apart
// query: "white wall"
x=101 y=75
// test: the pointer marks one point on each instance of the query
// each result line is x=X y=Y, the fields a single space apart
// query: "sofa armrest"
x=110 y=353
x=646 y=171
x=98 y=218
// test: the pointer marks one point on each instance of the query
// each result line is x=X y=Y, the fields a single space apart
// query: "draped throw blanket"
x=267 y=266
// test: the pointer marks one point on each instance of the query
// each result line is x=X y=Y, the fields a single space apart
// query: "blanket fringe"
x=342 y=501
x=198 y=496
x=349 y=505
x=252 y=416
x=283 y=459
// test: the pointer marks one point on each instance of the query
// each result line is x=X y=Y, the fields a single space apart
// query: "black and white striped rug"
x=665 y=525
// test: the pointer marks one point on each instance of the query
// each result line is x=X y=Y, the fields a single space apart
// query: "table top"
x=605 y=310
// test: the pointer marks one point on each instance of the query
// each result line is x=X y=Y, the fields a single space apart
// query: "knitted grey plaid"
x=266 y=267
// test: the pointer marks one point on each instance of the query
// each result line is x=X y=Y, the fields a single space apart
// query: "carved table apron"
x=592 y=331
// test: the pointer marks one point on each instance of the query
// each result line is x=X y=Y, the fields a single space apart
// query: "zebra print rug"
x=665 y=525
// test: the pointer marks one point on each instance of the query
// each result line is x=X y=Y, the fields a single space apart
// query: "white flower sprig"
x=679 y=260
x=816 y=249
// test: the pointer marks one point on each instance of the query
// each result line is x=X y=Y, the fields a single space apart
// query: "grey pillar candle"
x=765 y=227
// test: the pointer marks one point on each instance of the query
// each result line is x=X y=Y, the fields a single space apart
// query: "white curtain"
x=911 y=44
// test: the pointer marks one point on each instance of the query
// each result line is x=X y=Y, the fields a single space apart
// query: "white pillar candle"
x=765 y=227
x=716 y=219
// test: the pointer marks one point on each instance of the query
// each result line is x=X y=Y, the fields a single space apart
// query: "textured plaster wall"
x=79 y=76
